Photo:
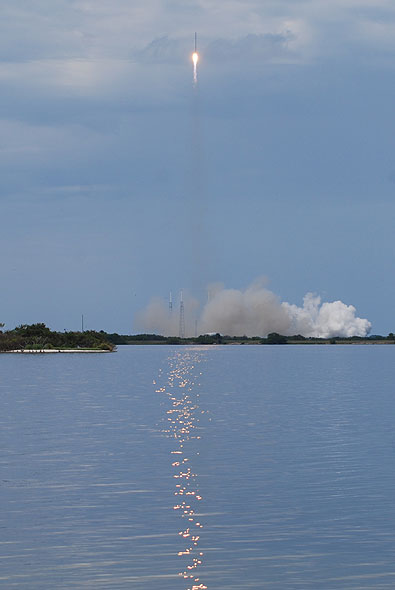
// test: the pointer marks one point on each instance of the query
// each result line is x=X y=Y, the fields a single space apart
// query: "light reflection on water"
x=282 y=457
x=183 y=428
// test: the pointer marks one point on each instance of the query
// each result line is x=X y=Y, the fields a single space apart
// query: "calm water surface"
x=180 y=468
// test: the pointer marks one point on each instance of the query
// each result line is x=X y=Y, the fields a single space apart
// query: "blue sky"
x=119 y=181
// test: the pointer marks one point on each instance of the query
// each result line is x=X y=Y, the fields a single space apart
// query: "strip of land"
x=53 y=351
x=38 y=338
x=273 y=338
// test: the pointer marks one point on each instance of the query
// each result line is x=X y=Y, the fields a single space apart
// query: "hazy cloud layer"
x=119 y=29
x=291 y=139
x=251 y=48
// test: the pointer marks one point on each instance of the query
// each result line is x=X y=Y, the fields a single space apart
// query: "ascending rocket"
x=195 y=59
x=195 y=55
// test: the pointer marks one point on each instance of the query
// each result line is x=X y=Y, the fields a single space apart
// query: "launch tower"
x=182 y=318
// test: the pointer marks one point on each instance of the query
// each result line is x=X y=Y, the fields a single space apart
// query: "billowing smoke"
x=256 y=311
x=325 y=320
x=156 y=318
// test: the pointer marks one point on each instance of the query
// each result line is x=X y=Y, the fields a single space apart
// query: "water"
x=238 y=467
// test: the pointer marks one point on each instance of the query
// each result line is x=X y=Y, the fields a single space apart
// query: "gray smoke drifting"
x=256 y=311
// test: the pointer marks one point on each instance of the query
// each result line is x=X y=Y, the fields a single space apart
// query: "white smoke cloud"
x=156 y=318
x=255 y=311
x=325 y=320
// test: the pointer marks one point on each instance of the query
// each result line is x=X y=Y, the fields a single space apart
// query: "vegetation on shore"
x=273 y=338
x=40 y=337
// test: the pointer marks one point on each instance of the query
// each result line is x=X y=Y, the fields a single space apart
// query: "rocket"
x=195 y=59
x=195 y=55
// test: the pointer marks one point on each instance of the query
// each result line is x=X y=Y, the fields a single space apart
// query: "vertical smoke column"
x=199 y=240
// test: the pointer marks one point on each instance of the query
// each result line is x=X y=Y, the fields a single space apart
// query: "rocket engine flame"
x=195 y=59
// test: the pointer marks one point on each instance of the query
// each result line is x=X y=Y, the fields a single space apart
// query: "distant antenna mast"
x=170 y=303
x=82 y=323
x=182 y=318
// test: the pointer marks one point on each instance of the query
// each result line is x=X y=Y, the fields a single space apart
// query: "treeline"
x=272 y=338
x=40 y=337
x=119 y=339
x=132 y=339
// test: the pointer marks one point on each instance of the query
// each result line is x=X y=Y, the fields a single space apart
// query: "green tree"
x=274 y=338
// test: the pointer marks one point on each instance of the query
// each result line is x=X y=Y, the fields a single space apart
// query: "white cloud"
x=89 y=47
x=118 y=29
x=251 y=47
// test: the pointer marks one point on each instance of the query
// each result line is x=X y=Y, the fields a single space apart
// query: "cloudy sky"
x=120 y=181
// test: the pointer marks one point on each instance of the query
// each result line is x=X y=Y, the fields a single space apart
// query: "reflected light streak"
x=182 y=422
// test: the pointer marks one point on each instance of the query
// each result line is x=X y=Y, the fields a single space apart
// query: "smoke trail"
x=256 y=311
x=157 y=319
x=198 y=245
x=195 y=59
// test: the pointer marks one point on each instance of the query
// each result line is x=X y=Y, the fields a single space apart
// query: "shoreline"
x=366 y=342
x=54 y=351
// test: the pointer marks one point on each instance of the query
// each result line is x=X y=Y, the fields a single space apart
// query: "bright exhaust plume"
x=195 y=59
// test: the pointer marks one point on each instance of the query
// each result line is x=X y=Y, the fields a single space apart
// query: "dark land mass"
x=40 y=337
x=273 y=338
